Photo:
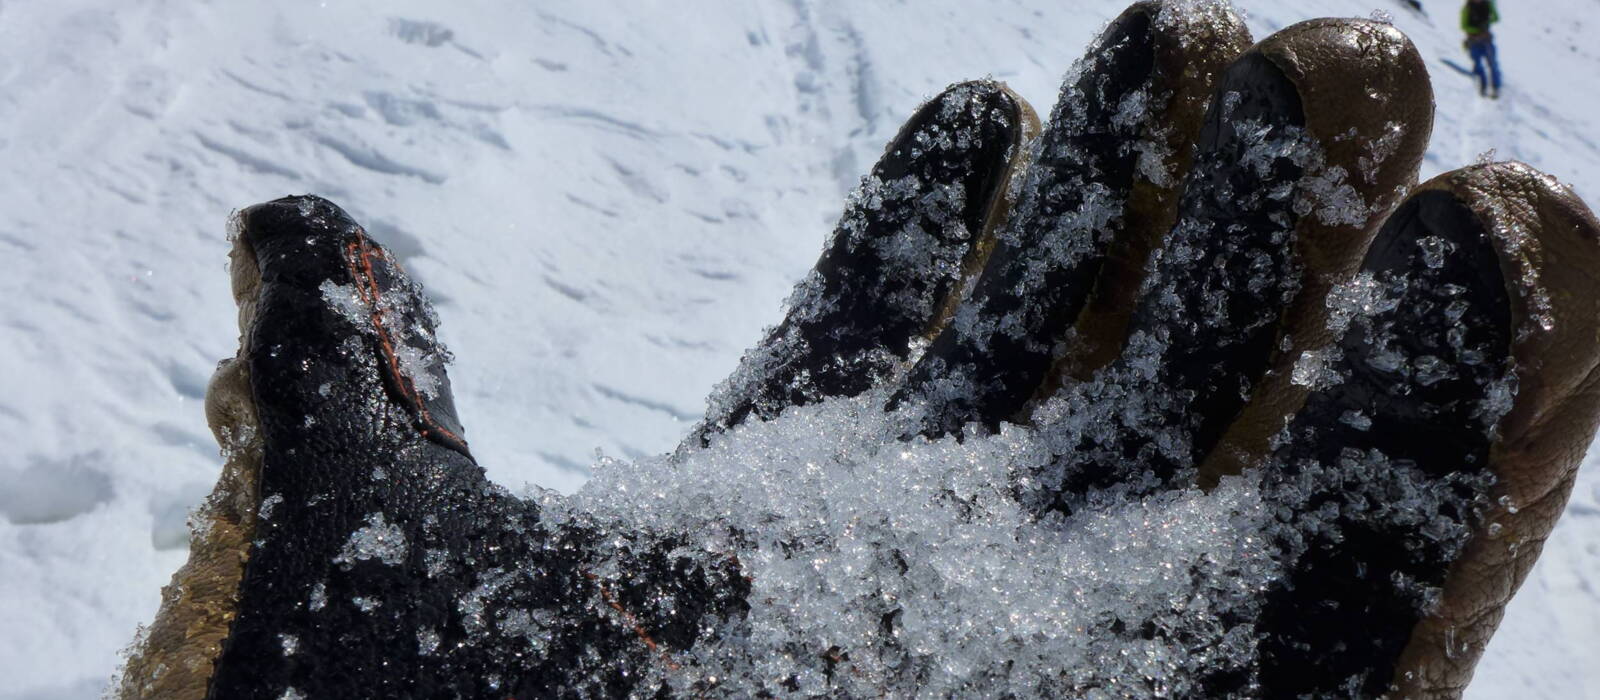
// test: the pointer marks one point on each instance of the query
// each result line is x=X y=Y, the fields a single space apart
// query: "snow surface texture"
x=985 y=598
x=607 y=207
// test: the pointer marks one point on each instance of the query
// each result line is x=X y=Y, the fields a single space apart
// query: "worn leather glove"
x=1193 y=393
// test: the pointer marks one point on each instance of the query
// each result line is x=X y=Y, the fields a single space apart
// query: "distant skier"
x=1476 y=16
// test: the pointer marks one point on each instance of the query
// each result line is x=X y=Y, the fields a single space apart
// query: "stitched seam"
x=627 y=617
x=358 y=257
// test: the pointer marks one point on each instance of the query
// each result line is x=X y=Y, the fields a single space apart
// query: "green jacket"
x=1466 y=19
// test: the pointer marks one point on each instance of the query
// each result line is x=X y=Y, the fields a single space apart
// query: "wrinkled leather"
x=1550 y=256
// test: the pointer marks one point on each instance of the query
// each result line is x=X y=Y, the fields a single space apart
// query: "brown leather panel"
x=176 y=655
x=1549 y=245
x=179 y=649
x=1368 y=101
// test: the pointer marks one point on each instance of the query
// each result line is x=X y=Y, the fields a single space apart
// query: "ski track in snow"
x=607 y=214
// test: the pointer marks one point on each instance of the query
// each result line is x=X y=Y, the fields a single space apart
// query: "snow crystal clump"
x=913 y=566
x=1380 y=149
x=1314 y=369
x=268 y=505
x=377 y=540
x=347 y=302
x=1520 y=244
x=427 y=641
x=1361 y=296
x=1330 y=196
x=407 y=316
x=1497 y=401
x=1356 y=419
x=415 y=364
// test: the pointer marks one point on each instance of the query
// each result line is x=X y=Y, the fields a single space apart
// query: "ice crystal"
x=918 y=560
x=378 y=539
x=268 y=505
x=427 y=641
x=1314 y=369
x=349 y=304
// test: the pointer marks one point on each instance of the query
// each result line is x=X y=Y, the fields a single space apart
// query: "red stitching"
x=360 y=250
x=358 y=256
x=638 y=629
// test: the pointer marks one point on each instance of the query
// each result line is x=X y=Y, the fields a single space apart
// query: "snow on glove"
x=1182 y=396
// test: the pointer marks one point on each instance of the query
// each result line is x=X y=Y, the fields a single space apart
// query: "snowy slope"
x=607 y=206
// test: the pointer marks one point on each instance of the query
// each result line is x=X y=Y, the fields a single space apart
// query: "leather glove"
x=1190 y=393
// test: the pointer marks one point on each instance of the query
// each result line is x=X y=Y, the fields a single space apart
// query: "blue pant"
x=1483 y=52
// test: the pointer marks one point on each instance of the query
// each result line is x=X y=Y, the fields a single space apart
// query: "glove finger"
x=920 y=222
x=1100 y=193
x=1382 y=91
x=1284 y=194
x=337 y=405
x=1418 y=484
x=1193 y=47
